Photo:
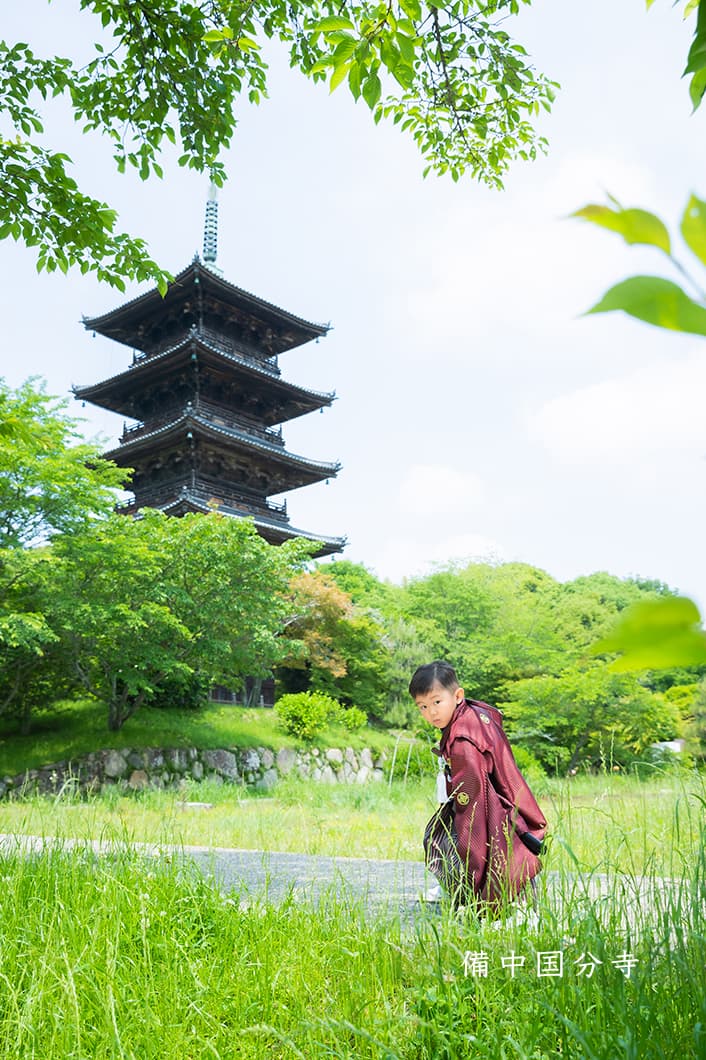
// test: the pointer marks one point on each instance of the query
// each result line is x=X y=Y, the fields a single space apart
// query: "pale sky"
x=478 y=413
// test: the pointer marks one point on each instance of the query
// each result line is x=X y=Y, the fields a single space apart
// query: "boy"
x=483 y=843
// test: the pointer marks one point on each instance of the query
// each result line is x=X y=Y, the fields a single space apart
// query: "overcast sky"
x=478 y=413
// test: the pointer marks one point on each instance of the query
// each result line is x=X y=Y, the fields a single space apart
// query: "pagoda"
x=206 y=391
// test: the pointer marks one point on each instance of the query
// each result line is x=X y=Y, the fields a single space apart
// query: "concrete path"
x=383 y=886
x=258 y=874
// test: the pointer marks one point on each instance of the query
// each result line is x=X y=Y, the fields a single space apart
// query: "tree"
x=32 y=673
x=696 y=727
x=321 y=609
x=172 y=71
x=588 y=714
x=140 y=602
x=363 y=587
x=339 y=647
x=50 y=481
x=406 y=650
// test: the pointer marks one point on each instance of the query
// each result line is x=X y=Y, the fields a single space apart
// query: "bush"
x=305 y=714
x=352 y=718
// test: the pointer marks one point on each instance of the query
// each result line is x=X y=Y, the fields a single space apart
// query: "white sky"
x=479 y=414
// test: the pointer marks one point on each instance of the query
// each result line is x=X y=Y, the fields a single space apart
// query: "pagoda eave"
x=129 y=323
x=273 y=531
x=121 y=393
x=291 y=469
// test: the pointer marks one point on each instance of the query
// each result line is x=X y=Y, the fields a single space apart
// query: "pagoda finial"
x=210 y=228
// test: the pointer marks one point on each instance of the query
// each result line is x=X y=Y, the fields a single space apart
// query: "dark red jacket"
x=493 y=804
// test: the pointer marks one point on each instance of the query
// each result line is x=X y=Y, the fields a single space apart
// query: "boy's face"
x=438 y=704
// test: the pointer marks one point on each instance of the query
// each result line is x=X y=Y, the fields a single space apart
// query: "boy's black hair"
x=425 y=677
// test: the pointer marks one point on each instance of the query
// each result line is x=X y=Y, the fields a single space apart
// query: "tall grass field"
x=122 y=957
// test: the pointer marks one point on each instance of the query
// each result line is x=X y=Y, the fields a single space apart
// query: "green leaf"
x=354 y=80
x=697 y=56
x=215 y=35
x=693 y=227
x=344 y=49
x=655 y=301
x=339 y=75
x=657 y=634
x=635 y=226
x=333 y=23
x=247 y=44
x=404 y=75
x=371 y=90
x=697 y=87
x=412 y=8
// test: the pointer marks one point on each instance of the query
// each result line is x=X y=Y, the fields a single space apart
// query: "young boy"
x=483 y=843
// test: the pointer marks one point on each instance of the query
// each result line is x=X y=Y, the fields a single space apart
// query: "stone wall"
x=154 y=767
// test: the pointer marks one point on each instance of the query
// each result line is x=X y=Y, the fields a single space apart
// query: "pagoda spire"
x=210 y=228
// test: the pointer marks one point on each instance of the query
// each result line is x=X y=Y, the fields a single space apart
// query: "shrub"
x=305 y=714
x=352 y=718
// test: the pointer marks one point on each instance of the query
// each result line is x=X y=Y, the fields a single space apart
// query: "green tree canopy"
x=141 y=601
x=171 y=71
x=50 y=480
x=344 y=653
x=588 y=715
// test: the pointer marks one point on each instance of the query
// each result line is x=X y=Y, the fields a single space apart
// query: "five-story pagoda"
x=206 y=390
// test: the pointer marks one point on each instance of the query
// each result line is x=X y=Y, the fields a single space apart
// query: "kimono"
x=490 y=808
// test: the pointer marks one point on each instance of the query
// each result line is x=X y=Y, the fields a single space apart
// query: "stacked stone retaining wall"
x=169 y=767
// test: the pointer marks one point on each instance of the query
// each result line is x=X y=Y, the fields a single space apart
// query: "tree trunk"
x=115 y=716
x=252 y=698
x=577 y=751
x=26 y=718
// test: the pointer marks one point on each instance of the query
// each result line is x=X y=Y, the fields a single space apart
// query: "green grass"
x=596 y=823
x=118 y=957
x=76 y=727
x=113 y=958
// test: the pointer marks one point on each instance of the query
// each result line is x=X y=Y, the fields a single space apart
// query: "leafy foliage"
x=33 y=669
x=667 y=633
x=695 y=730
x=183 y=692
x=154 y=600
x=588 y=715
x=306 y=714
x=172 y=71
x=50 y=481
x=657 y=634
x=352 y=718
x=696 y=60
x=654 y=299
x=339 y=648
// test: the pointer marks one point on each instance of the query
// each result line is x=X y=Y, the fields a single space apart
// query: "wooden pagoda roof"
x=130 y=322
x=273 y=530
x=298 y=470
x=121 y=393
